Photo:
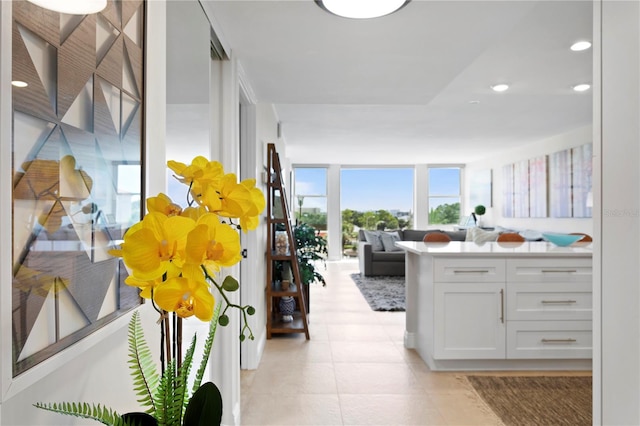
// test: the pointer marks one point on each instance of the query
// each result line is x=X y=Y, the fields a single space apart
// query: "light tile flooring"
x=353 y=371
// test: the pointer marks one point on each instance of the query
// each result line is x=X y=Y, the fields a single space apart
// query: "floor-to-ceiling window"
x=374 y=198
x=310 y=197
x=445 y=195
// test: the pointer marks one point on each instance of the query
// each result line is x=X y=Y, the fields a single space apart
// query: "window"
x=444 y=195
x=380 y=198
x=310 y=196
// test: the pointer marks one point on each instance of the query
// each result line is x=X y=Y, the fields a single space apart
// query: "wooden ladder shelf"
x=279 y=223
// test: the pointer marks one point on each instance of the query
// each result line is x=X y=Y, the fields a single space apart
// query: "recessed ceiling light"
x=361 y=9
x=474 y=102
x=72 y=7
x=581 y=87
x=580 y=45
x=500 y=87
x=18 y=83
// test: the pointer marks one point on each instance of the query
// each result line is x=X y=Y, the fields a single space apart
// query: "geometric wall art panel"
x=521 y=188
x=77 y=134
x=560 y=183
x=538 y=186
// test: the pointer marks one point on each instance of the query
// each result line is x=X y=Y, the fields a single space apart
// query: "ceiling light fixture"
x=582 y=87
x=500 y=87
x=580 y=45
x=18 y=83
x=72 y=7
x=361 y=9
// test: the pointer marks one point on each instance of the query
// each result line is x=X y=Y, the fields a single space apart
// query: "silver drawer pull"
x=559 y=271
x=558 y=340
x=471 y=271
x=558 y=302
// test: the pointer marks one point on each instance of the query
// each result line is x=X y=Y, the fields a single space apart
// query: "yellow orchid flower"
x=146 y=286
x=194 y=212
x=231 y=199
x=250 y=219
x=213 y=244
x=156 y=242
x=188 y=173
x=163 y=204
x=187 y=295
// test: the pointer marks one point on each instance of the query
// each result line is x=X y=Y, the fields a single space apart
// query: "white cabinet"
x=469 y=321
x=511 y=308
x=549 y=308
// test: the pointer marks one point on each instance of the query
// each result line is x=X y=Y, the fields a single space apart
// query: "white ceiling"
x=397 y=89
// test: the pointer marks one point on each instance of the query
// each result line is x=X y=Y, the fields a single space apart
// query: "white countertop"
x=529 y=249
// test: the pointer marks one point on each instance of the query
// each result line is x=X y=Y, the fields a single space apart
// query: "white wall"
x=495 y=162
x=616 y=263
x=95 y=369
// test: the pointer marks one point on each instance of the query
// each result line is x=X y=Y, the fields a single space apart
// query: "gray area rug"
x=382 y=293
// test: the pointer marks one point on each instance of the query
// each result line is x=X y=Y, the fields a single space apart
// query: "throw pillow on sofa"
x=479 y=235
x=389 y=241
x=373 y=238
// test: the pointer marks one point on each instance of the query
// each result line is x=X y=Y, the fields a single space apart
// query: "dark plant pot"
x=140 y=419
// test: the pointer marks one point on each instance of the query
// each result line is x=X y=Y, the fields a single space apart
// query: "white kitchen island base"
x=499 y=306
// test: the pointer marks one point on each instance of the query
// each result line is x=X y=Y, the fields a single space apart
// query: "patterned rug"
x=537 y=400
x=382 y=293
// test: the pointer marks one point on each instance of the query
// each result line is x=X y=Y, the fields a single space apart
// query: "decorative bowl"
x=561 y=240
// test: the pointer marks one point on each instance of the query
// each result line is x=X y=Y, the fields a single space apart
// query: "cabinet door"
x=469 y=321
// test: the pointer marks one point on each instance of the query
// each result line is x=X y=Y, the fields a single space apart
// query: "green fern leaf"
x=84 y=410
x=183 y=374
x=143 y=369
x=208 y=343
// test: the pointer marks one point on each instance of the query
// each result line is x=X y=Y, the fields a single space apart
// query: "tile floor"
x=353 y=371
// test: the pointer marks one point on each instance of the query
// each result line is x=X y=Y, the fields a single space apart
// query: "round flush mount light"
x=72 y=7
x=361 y=9
x=580 y=45
x=18 y=83
x=582 y=87
x=500 y=87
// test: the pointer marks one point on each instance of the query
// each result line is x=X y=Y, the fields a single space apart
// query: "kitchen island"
x=499 y=306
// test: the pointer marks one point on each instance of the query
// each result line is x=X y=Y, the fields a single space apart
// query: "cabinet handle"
x=502 y=305
x=566 y=271
x=558 y=302
x=471 y=271
x=558 y=340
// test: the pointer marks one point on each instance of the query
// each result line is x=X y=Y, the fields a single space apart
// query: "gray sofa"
x=375 y=260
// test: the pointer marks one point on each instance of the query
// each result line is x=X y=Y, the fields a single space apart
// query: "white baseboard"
x=409 y=340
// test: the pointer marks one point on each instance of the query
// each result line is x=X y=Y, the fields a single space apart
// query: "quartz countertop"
x=528 y=249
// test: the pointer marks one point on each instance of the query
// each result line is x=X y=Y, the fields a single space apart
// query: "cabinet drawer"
x=475 y=270
x=549 y=270
x=549 y=339
x=549 y=301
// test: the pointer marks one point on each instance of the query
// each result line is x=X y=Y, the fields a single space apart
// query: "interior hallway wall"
x=94 y=369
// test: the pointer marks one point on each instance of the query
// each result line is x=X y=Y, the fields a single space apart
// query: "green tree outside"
x=445 y=214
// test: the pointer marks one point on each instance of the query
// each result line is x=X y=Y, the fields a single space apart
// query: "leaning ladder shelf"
x=278 y=219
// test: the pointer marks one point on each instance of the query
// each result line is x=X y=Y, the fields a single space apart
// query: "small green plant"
x=166 y=398
x=480 y=210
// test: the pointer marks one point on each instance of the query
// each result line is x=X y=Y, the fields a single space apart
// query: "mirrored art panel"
x=77 y=168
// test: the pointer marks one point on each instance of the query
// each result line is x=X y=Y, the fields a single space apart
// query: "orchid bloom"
x=163 y=204
x=187 y=295
x=151 y=244
x=213 y=244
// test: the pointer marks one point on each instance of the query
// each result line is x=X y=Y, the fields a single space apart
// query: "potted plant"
x=310 y=247
x=176 y=257
x=479 y=211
